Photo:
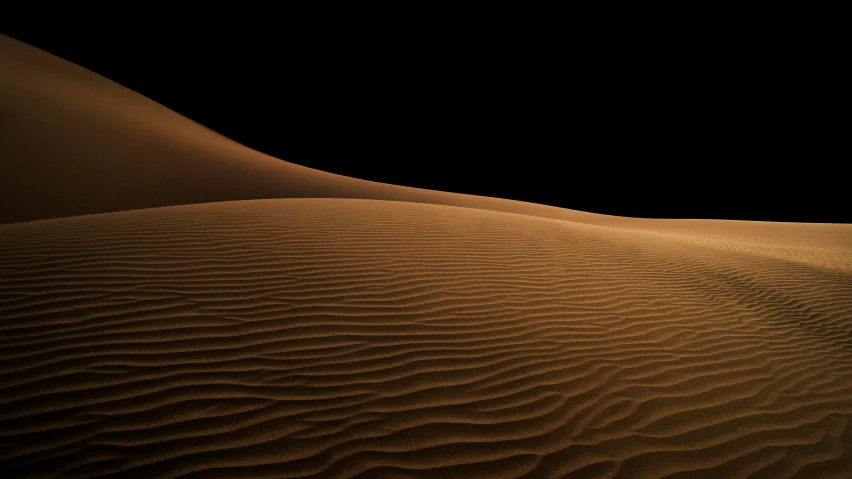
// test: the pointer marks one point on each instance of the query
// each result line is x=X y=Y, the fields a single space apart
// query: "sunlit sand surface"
x=174 y=304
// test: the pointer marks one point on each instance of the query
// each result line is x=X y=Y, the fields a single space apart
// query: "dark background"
x=668 y=113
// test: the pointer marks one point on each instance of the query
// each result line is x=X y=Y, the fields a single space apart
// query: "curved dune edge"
x=347 y=338
x=76 y=143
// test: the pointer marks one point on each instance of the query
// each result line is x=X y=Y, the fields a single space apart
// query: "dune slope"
x=354 y=338
x=73 y=142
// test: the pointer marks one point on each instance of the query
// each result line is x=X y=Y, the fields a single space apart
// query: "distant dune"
x=174 y=304
x=75 y=143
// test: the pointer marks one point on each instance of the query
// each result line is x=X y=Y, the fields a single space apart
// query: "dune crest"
x=75 y=143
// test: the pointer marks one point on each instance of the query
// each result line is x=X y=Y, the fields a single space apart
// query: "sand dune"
x=73 y=143
x=354 y=338
x=151 y=325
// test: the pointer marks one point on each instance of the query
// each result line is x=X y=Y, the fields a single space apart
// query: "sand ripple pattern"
x=350 y=338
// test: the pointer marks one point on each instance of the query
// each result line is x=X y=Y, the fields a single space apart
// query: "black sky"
x=725 y=117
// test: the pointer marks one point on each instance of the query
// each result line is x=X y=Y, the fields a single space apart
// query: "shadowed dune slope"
x=353 y=338
x=73 y=142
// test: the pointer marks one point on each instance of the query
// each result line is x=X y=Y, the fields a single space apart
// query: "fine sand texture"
x=360 y=338
x=175 y=304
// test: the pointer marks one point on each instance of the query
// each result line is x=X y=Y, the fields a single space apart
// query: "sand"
x=173 y=304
